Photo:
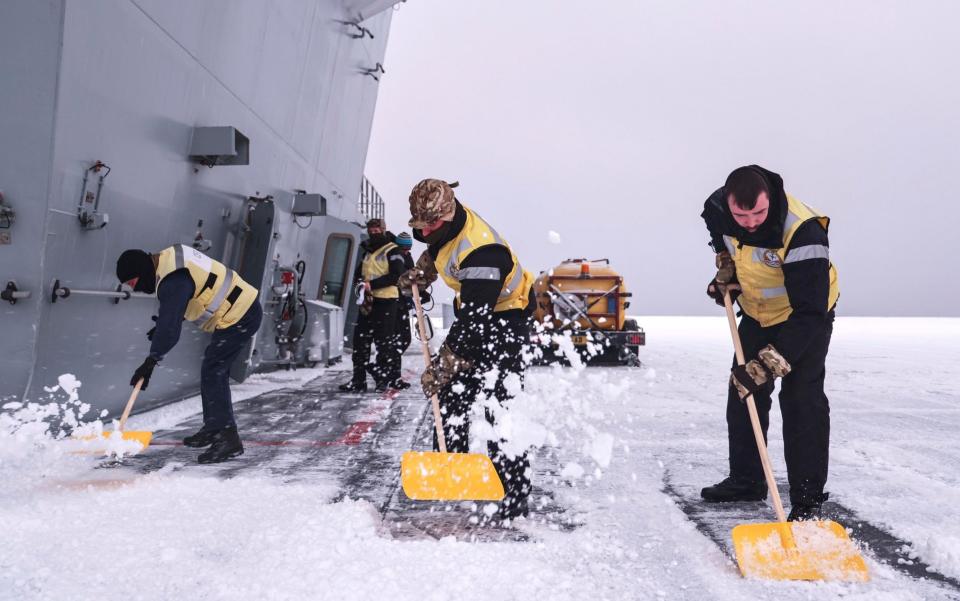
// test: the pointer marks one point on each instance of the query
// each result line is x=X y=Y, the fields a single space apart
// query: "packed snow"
x=74 y=531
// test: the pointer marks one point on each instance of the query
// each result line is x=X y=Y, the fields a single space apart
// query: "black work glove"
x=152 y=330
x=715 y=291
x=143 y=372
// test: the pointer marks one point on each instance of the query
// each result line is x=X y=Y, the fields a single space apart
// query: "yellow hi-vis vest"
x=476 y=233
x=220 y=296
x=760 y=270
x=377 y=264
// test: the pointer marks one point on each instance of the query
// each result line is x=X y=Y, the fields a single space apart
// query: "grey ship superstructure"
x=240 y=129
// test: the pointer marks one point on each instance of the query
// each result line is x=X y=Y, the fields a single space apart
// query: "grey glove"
x=442 y=370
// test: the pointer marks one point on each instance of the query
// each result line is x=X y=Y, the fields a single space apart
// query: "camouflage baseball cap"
x=430 y=200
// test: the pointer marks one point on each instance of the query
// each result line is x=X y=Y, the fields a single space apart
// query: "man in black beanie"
x=192 y=286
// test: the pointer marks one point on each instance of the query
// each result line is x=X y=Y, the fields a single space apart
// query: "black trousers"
x=456 y=400
x=379 y=328
x=805 y=410
x=215 y=369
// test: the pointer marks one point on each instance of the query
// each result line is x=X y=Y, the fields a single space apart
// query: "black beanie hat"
x=136 y=263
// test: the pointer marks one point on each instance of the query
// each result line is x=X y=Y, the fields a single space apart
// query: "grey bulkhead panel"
x=134 y=79
x=30 y=41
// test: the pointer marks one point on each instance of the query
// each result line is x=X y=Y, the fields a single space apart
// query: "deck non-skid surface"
x=315 y=432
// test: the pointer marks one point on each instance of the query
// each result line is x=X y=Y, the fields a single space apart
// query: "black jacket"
x=395 y=258
x=807 y=281
x=174 y=293
x=475 y=316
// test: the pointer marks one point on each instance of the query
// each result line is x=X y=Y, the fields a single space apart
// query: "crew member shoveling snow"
x=493 y=307
x=192 y=286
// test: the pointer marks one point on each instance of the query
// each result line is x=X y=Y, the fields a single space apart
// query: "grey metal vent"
x=223 y=145
x=309 y=204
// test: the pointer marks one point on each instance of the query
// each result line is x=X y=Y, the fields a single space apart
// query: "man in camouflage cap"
x=493 y=305
x=430 y=200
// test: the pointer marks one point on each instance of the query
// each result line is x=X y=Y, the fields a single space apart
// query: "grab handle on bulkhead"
x=121 y=293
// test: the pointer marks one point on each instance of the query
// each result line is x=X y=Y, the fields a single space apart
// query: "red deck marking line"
x=355 y=433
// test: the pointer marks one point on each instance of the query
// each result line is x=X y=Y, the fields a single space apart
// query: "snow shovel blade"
x=143 y=437
x=449 y=477
x=817 y=550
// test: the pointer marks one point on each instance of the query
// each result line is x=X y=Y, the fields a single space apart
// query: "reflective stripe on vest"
x=760 y=270
x=377 y=264
x=220 y=297
x=477 y=233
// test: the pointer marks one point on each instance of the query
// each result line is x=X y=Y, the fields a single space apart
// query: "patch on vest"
x=771 y=258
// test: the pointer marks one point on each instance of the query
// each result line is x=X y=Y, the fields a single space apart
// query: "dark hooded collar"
x=720 y=222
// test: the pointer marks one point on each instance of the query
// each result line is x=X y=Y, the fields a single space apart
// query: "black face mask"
x=147 y=283
x=435 y=236
x=378 y=239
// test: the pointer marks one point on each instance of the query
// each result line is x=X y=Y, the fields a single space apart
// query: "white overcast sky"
x=610 y=122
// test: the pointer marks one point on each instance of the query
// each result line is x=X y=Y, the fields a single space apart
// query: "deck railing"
x=371 y=203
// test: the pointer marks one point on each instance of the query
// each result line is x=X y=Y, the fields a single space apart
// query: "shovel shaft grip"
x=754 y=418
x=130 y=402
x=425 y=345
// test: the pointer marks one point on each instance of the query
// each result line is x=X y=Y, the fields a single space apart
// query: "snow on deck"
x=312 y=510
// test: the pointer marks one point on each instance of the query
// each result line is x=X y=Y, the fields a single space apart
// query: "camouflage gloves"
x=442 y=370
x=715 y=291
x=758 y=375
x=726 y=270
x=423 y=274
x=726 y=275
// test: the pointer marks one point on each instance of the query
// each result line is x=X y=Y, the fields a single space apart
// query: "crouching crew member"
x=493 y=304
x=192 y=286
x=776 y=249
x=377 y=317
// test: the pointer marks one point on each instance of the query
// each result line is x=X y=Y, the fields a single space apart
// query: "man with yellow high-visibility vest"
x=192 y=286
x=775 y=248
x=376 y=322
x=481 y=359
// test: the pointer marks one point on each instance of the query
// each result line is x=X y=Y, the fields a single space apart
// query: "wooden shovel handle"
x=754 y=418
x=129 y=407
x=425 y=345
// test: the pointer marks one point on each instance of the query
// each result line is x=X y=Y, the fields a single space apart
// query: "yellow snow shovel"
x=142 y=437
x=782 y=550
x=443 y=476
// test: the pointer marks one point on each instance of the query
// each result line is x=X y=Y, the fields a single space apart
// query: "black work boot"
x=511 y=508
x=808 y=507
x=203 y=438
x=353 y=386
x=226 y=444
x=733 y=489
x=401 y=384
